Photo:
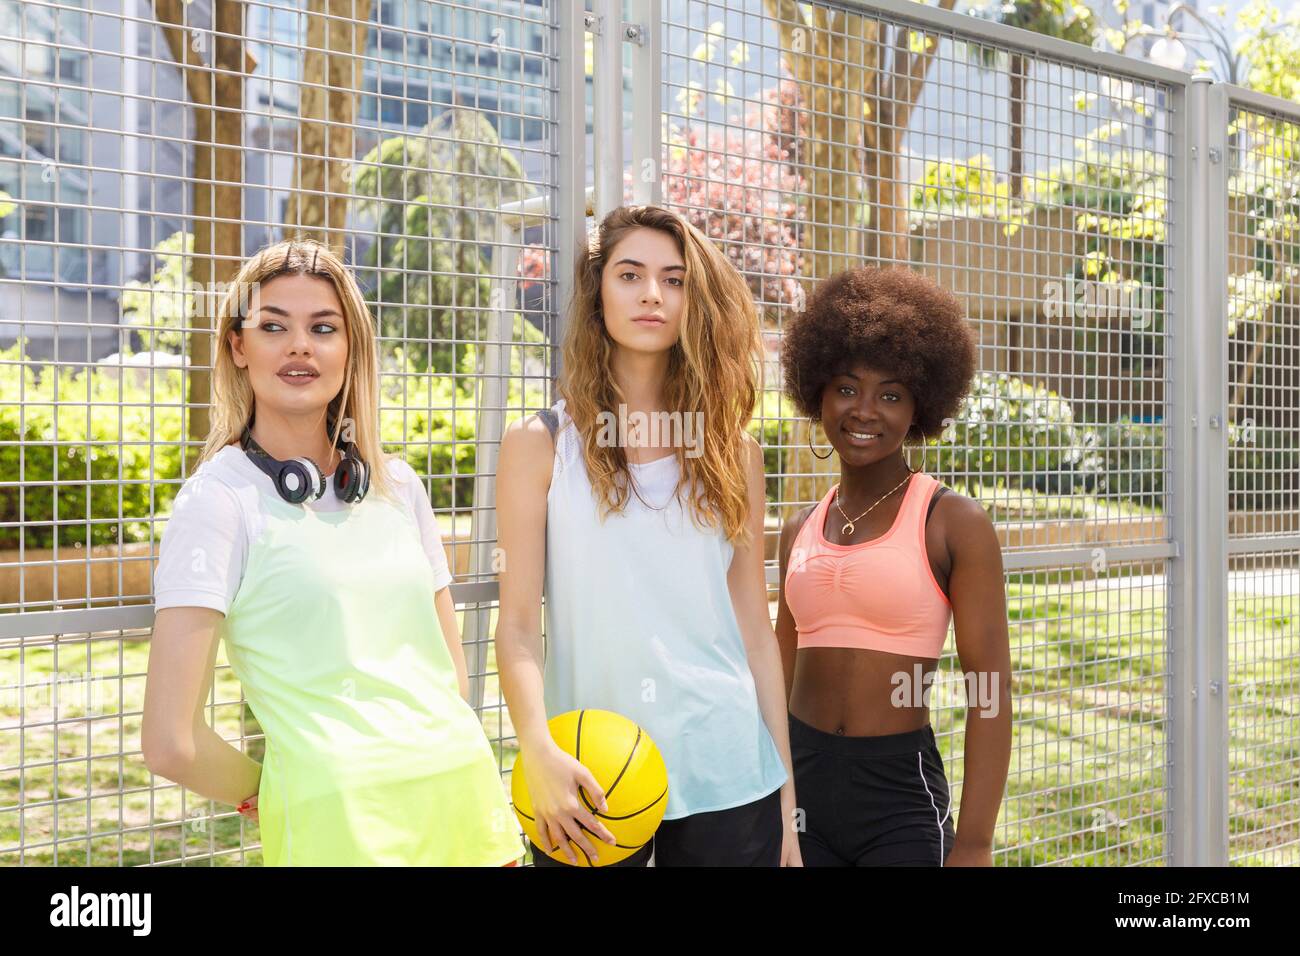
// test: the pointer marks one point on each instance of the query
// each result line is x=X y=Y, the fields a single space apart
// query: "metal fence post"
x=647 y=100
x=1198 y=743
x=1180 y=474
x=570 y=209
x=607 y=105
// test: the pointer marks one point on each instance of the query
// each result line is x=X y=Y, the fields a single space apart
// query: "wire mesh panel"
x=147 y=149
x=1087 y=779
x=809 y=138
x=1263 y=315
x=76 y=790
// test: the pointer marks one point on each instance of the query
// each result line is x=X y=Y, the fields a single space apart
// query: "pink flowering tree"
x=738 y=184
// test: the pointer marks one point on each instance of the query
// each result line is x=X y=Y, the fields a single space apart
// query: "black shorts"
x=748 y=835
x=870 y=801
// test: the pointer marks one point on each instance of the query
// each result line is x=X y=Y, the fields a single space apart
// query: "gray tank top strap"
x=551 y=419
x=938 y=493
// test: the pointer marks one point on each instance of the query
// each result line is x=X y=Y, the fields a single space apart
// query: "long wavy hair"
x=358 y=398
x=712 y=369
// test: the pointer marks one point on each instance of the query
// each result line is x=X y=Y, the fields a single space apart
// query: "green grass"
x=1006 y=503
x=1087 y=783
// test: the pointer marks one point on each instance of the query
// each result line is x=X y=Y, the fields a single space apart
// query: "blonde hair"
x=712 y=369
x=357 y=400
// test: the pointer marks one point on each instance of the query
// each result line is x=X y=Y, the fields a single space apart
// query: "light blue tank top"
x=639 y=621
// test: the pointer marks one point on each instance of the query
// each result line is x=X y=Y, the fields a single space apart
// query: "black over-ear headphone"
x=298 y=479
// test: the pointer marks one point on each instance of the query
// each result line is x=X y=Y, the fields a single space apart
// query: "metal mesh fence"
x=419 y=139
x=812 y=138
x=438 y=145
x=1263 y=316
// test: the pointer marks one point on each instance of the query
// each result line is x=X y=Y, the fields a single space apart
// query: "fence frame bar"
x=647 y=101
x=607 y=105
x=1198 y=725
x=571 y=194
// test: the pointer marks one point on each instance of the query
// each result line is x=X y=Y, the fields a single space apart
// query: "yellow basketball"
x=625 y=762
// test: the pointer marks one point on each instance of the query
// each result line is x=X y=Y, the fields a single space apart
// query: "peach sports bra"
x=878 y=595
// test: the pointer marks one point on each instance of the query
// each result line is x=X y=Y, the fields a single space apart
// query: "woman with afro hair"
x=872 y=576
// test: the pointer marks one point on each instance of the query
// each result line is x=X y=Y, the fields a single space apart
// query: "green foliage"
x=773 y=425
x=116 y=454
x=160 y=306
x=432 y=419
x=431 y=198
x=1263 y=153
x=1118 y=193
x=1270 y=41
x=108 y=439
x=1121 y=195
x=1057 y=18
x=970 y=188
x=1011 y=432
x=416 y=413
x=1263 y=468
x=1133 y=461
x=1268 y=184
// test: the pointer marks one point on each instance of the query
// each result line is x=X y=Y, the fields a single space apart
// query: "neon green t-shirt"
x=372 y=756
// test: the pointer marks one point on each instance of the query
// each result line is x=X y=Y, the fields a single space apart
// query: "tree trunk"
x=1019 y=72
x=318 y=205
x=829 y=59
x=856 y=207
x=216 y=95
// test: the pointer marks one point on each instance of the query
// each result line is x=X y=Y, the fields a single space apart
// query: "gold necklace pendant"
x=846 y=530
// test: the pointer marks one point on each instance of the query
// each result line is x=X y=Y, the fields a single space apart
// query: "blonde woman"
x=649 y=549
x=317 y=559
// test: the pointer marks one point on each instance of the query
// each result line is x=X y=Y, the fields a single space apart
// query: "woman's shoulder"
x=219 y=480
x=952 y=501
x=213 y=503
x=408 y=488
x=795 y=522
x=960 y=515
x=536 y=435
x=229 y=466
x=401 y=471
x=792 y=528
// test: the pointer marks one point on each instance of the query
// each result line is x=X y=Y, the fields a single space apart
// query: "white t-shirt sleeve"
x=430 y=537
x=204 y=547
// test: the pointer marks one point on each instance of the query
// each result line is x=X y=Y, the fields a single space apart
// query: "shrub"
x=83 y=449
x=114 y=459
x=1009 y=431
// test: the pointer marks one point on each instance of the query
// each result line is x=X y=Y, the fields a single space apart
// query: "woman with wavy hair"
x=334 y=605
x=649 y=550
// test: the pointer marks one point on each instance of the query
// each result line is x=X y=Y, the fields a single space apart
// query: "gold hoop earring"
x=811 y=426
x=904 y=454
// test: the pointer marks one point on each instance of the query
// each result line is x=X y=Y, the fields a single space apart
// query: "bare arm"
x=787 y=635
x=451 y=634
x=977 y=590
x=552 y=776
x=176 y=740
x=748 y=586
x=523 y=480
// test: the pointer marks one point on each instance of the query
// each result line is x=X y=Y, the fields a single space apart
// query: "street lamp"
x=1168 y=50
